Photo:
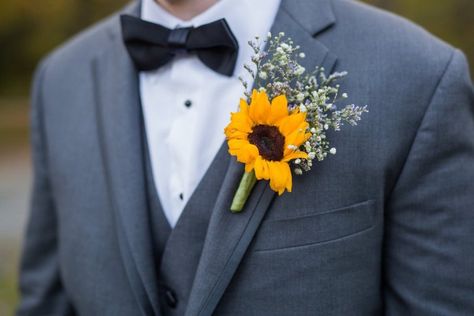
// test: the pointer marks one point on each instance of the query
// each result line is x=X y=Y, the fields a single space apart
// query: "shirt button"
x=188 y=103
x=171 y=299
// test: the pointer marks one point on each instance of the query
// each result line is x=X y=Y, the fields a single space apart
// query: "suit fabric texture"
x=385 y=227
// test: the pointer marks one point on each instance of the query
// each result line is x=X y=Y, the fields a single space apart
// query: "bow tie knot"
x=151 y=46
x=178 y=37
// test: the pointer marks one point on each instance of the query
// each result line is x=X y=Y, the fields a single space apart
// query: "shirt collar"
x=153 y=12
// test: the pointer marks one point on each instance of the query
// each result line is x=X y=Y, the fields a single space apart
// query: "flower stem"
x=243 y=192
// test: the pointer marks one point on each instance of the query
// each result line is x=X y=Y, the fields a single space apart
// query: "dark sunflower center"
x=269 y=141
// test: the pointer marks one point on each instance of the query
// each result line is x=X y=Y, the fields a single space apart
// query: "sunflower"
x=266 y=136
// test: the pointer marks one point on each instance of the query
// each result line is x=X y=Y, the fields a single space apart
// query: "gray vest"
x=178 y=250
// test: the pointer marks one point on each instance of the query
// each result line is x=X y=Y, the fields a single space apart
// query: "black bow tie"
x=152 y=45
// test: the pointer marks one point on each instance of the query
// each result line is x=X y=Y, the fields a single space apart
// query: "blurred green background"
x=29 y=29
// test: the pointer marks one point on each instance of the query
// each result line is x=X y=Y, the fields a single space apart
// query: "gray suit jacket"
x=384 y=227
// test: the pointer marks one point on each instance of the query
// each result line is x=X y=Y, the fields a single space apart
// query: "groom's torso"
x=317 y=250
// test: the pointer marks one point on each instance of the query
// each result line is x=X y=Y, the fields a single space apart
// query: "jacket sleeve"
x=429 y=225
x=40 y=282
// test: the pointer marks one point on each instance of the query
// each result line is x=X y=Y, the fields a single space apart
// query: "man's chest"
x=185 y=109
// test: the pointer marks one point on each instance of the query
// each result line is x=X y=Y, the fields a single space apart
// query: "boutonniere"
x=281 y=125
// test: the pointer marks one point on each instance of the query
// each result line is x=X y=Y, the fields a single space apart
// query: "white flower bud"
x=312 y=155
x=300 y=70
x=263 y=75
x=297 y=161
x=282 y=34
x=298 y=171
x=303 y=108
x=302 y=55
x=326 y=126
x=300 y=96
x=332 y=151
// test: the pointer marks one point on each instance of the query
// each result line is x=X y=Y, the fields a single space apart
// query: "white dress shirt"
x=186 y=105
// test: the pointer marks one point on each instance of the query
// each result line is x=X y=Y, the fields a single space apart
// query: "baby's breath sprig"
x=277 y=70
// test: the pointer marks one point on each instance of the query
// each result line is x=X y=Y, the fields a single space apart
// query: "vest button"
x=171 y=299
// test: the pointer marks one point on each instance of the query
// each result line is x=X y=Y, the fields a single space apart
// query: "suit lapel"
x=229 y=235
x=119 y=121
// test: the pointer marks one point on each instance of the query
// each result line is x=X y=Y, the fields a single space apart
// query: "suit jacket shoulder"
x=79 y=51
x=366 y=23
x=388 y=42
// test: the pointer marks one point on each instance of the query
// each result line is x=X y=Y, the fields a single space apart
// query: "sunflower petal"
x=291 y=123
x=249 y=166
x=280 y=177
x=243 y=150
x=262 y=169
x=296 y=139
x=235 y=144
x=244 y=107
x=235 y=134
x=248 y=154
x=260 y=108
x=279 y=109
x=239 y=124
